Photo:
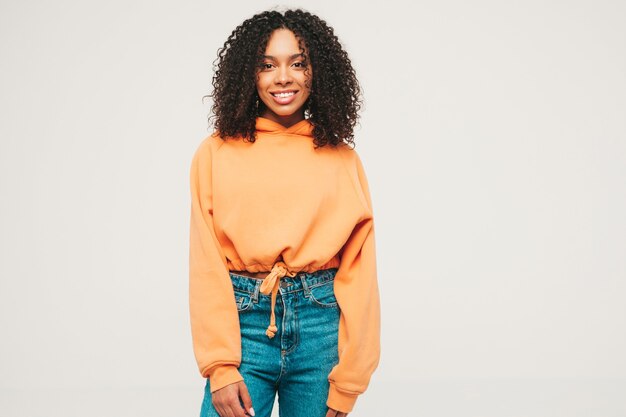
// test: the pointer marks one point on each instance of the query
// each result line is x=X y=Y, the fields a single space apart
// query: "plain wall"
x=494 y=140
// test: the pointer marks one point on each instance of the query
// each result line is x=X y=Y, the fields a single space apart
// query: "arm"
x=213 y=312
x=356 y=290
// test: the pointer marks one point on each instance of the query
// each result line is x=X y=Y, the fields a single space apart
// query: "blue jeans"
x=297 y=360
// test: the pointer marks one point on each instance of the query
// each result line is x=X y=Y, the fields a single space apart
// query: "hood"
x=302 y=128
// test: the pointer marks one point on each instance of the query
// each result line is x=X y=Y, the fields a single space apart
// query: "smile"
x=284 y=98
x=288 y=94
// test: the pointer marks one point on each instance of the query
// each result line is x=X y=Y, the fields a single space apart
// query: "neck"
x=286 y=121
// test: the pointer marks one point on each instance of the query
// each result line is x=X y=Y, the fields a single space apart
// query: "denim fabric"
x=296 y=362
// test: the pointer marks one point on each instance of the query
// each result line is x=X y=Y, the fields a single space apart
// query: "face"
x=283 y=71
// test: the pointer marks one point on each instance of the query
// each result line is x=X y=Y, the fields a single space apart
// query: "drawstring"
x=270 y=284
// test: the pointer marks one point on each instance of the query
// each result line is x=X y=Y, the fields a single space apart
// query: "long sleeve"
x=213 y=312
x=357 y=293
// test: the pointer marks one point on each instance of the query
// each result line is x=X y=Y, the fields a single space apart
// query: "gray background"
x=494 y=141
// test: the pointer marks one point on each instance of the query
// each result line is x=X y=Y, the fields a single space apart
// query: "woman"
x=283 y=288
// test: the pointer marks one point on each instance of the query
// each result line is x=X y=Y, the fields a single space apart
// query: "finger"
x=229 y=411
x=234 y=408
x=220 y=410
x=224 y=408
x=245 y=397
x=331 y=412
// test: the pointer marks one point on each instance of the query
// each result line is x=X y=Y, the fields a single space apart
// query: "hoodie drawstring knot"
x=270 y=285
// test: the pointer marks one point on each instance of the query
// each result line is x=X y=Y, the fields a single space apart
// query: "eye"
x=265 y=65
x=300 y=64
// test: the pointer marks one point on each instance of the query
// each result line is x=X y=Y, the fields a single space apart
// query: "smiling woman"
x=283 y=290
x=273 y=52
x=284 y=79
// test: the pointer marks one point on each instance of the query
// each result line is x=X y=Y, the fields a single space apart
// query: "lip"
x=284 y=100
x=282 y=91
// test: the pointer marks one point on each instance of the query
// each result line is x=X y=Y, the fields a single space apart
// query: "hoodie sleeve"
x=213 y=311
x=357 y=293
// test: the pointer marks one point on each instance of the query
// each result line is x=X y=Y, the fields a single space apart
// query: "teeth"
x=284 y=94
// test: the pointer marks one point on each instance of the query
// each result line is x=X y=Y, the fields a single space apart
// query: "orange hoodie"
x=278 y=201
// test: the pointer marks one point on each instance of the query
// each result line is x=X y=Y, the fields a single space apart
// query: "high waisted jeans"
x=296 y=362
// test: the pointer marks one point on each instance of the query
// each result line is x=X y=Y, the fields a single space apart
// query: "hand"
x=334 y=413
x=226 y=400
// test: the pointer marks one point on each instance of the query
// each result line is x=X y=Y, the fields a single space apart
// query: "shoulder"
x=356 y=172
x=347 y=153
x=351 y=158
x=208 y=146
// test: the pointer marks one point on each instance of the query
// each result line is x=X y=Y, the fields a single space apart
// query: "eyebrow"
x=290 y=56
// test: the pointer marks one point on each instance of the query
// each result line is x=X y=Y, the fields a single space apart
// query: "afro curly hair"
x=335 y=97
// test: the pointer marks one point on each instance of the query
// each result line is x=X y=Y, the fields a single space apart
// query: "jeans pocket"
x=323 y=294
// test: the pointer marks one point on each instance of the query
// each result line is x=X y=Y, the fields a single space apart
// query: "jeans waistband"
x=301 y=281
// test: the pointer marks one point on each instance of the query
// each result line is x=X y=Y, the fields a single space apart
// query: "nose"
x=282 y=76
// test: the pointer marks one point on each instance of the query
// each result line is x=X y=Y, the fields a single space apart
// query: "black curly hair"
x=335 y=96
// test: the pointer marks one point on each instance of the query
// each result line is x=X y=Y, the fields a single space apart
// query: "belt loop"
x=305 y=285
x=255 y=294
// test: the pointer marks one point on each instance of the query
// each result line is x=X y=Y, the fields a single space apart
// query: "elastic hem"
x=224 y=375
x=341 y=401
x=238 y=265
